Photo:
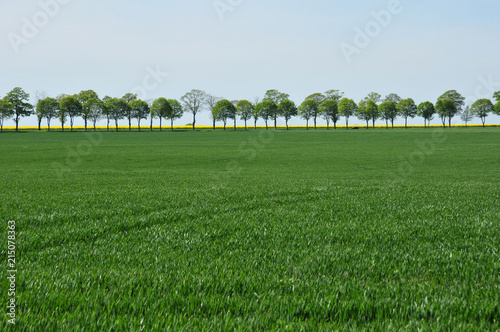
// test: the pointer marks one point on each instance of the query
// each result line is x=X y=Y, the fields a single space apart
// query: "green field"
x=258 y=230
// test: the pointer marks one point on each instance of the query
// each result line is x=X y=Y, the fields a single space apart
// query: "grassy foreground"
x=316 y=230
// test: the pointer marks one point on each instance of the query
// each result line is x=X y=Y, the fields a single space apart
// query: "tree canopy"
x=223 y=110
x=329 y=109
x=18 y=98
x=407 y=109
x=287 y=109
x=446 y=108
x=481 y=108
x=388 y=111
x=426 y=110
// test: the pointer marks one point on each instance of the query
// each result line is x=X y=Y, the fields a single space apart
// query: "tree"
x=106 y=109
x=95 y=108
x=39 y=95
x=288 y=109
x=69 y=106
x=219 y=113
x=334 y=95
x=176 y=112
x=245 y=110
x=118 y=109
x=373 y=111
x=426 y=110
x=496 y=110
x=48 y=108
x=446 y=108
x=193 y=102
x=318 y=98
x=19 y=101
x=255 y=114
x=223 y=110
x=211 y=101
x=39 y=112
x=388 y=112
x=139 y=110
x=6 y=112
x=366 y=109
x=265 y=109
x=83 y=97
x=466 y=115
x=276 y=97
x=161 y=108
x=347 y=108
x=275 y=113
x=392 y=97
x=307 y=110
x=330 y=111
x=129 y=97
x=481 y=108
x=128 y=114
x=496 y=96
x=458 y=100
x=373 y=96
x=407 y=109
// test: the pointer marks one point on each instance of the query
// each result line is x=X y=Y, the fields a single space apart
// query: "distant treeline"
x=331 y=106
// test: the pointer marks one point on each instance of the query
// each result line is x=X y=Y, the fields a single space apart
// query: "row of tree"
x=330 y=105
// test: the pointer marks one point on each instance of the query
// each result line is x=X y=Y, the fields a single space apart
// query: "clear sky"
x=238 y=49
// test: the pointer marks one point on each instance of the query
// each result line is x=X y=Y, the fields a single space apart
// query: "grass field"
x=312 y=230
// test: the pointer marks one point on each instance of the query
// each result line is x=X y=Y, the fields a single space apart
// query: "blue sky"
x=427 y=48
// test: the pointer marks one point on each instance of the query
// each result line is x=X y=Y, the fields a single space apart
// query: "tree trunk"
x=48 y=123
x=234 y=123
x=151 y=123
x=85 y=123
x=307 y=124
x=160 y=122
x=94 y=126
x=266 y=125
x=449 y=122
x=286 y=121
x=346 y=123
x=194 y=121
x=172 y=124
x=39 y=124
x=129 y=124
x=275 y=122
x=108 y=124
x=116 y=124
x=139 y=124
x=406 y=122
x=245 y=124
x=327 y=124
x=255 y=124
x=315 y=123
x=17 y=123
x=367 y=124
x=214 y=124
